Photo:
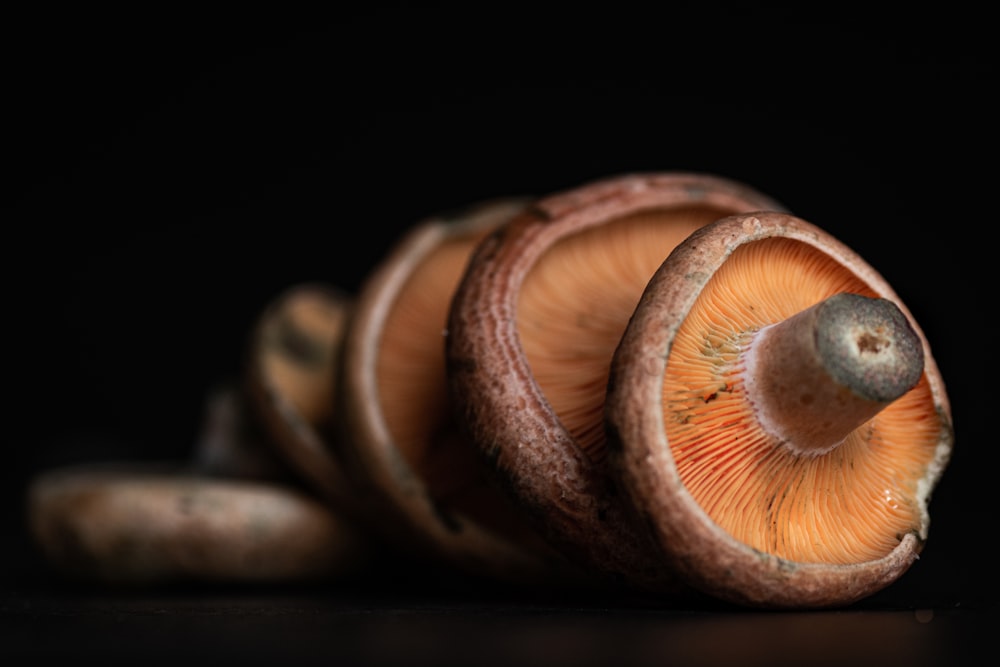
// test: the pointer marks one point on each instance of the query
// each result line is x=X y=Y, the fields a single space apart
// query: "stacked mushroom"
x=663 y=382
x=236 y=512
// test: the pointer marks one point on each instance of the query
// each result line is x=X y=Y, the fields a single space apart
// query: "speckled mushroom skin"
x=397 y=498
x=135 y=524
x=568 y=496
x=692 y=544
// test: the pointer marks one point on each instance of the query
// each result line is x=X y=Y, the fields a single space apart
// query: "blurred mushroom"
x=138 y=524
x=777 y=418
x=231 y=442
x=533 y=327
x=254 y=503
x=399 y=443
x=291 y=383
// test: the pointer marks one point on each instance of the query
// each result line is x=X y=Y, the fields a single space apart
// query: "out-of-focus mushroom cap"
x=138 y=524
x=291 y=382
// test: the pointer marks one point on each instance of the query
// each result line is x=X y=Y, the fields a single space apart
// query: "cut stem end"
x=825 y=371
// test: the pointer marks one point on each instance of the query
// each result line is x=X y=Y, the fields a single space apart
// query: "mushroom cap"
x=138 y=524
x=231 y=442
x=736 y=513
x=293 y=359
x=420 y=480
x=532 y=331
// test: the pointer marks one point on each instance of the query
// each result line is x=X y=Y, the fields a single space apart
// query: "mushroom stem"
x=820 y=374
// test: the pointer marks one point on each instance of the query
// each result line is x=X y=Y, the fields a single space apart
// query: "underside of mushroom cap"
x=423 y=484
x=739 y=513
x=532 y=331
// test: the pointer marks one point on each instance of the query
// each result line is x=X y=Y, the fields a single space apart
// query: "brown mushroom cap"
x=291 y=382
x=139 y=524
x=747 y=500
x=416 y=474
x=231 y=443
x=532 y=330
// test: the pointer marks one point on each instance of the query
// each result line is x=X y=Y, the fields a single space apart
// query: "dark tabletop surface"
x=172 y=173
x=385 y=618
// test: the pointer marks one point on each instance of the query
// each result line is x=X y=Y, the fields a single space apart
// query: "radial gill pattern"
x=849 y=505
x=411 y=372
x=576 y=302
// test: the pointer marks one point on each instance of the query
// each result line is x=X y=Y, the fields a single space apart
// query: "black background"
x=167 y=174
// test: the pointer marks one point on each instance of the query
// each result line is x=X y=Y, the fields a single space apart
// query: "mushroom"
x=262 y=498
x=153 y=523
x=532 y=330
x=292 y=363
x=232 y=442
x=410 y=465
x=776 y=417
